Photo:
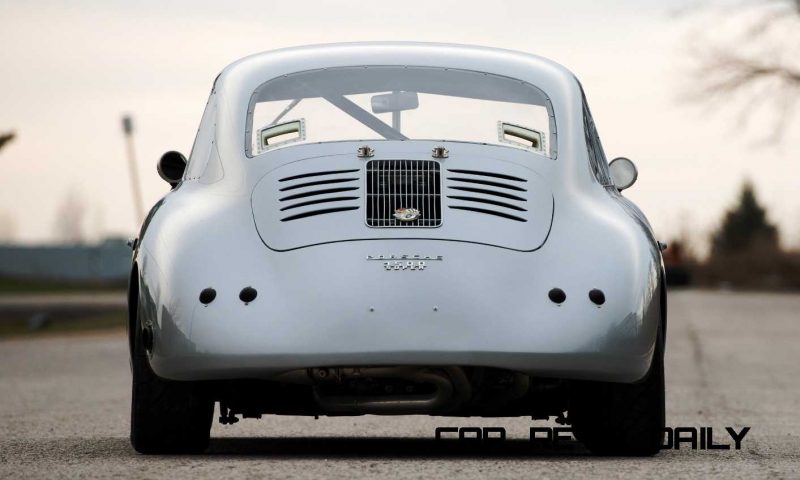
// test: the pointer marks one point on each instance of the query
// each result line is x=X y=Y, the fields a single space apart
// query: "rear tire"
x=622 y=419
x=166 y=416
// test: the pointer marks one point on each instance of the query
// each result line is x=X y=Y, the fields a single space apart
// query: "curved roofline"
x=238 y=81
x=323 y=48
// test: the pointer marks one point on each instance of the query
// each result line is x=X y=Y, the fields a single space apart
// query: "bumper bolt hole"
x=207 y=295
x=597 y=296
x=248 y=294
x=557 y=295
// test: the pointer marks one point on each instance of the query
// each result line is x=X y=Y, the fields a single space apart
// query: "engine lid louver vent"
x=316 y=174
x=308 y=189
x=496 y=194
x=317 y=212
x=486 y=174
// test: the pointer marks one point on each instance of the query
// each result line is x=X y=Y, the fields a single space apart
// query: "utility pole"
x=136 y=188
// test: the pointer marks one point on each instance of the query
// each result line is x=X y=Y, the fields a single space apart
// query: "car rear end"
x=401 y=263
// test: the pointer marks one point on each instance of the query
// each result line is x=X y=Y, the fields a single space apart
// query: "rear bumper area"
x=482 y=307
x=577 y=366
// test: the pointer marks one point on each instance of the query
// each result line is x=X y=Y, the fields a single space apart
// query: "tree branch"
x=5 y=138
x=754 y=68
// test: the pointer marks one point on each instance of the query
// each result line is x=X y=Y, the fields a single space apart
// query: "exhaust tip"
x=147 y=338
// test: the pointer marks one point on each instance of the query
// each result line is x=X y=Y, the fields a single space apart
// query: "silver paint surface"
x=321 y=304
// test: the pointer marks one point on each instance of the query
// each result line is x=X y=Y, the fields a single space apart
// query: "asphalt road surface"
x=733 y=360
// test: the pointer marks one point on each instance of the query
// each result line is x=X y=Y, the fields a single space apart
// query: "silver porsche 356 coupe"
x=397 y=228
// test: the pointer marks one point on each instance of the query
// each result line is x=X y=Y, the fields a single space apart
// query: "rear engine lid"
x=480 y=194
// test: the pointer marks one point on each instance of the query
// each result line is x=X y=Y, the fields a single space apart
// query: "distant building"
x=106 y=262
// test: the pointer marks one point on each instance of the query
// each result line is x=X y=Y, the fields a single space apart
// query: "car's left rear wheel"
x=166 y=416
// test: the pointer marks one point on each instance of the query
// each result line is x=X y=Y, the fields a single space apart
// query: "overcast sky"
x=71 y=69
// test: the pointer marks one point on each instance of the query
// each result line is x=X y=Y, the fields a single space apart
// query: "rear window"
x=399 y=103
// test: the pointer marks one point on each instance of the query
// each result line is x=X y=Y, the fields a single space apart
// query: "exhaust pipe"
x=451 y=390
x=147 y=338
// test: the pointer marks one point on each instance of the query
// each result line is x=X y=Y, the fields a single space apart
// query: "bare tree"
x=747 y=58
x=69 y=224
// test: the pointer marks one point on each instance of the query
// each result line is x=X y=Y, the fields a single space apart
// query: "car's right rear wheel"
x=622 y=419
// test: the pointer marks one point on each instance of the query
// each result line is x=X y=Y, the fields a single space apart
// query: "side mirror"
x=171 y=167
x=623 y=172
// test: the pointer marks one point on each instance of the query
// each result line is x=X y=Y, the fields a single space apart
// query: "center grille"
x=398 y=185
